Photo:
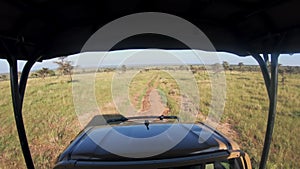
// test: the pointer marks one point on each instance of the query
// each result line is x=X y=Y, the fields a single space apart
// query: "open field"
x=51 y=121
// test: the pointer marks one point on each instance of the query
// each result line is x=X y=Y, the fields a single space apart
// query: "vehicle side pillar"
x=271 y=82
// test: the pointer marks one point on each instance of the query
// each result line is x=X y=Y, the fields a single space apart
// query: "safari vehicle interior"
x=36 y=30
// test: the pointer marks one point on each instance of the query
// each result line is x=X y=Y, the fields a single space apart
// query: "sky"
x=152 y=56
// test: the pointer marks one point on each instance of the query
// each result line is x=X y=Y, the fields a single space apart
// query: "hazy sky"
x=129 y=57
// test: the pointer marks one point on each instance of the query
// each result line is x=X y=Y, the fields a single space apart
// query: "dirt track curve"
x=152 y=103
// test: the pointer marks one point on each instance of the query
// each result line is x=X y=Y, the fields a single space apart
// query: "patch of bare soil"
x=152 y=103
x=135 y=100
x=146 y=101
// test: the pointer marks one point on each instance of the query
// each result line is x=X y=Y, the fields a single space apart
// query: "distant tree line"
x=242 y=67
x=3 y=77
x=194 y=68
x=65 y=68
x=42 y=73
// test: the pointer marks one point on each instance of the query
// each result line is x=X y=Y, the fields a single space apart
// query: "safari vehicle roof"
x=52 y=28
x=94 y=144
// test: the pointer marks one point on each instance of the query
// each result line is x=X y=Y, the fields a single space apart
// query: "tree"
x=193 y=69
x=281 y=71
x=34 y=75
x=225 y=65
x=43 y=72
x=123 y=68
x=51 y=73
x=241 y=64
x=3 y=77
x=64 y=67
x=216 y=68
x=289 y=70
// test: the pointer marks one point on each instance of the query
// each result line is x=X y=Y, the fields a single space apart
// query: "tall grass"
x=51 y=121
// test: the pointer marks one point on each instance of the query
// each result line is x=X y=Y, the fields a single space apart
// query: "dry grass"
x=51 y=121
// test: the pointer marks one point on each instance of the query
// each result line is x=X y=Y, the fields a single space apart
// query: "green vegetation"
x=64 y=67
x=51 y=121
x=247 y=108
x=44 y=72
x=3 y=77
x=160 y=80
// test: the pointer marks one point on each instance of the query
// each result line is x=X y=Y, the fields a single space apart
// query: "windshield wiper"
x=122 y=119
x=168 y=117
x=162 y=117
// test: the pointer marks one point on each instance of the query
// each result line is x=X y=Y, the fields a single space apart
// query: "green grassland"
x=51 y=121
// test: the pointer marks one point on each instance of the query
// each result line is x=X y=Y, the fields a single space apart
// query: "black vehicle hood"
x=137 y=142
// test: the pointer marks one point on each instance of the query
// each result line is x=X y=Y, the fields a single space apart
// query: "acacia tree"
x=241 y=64
x=43 y=72
x=64 y=66
x=225 y=65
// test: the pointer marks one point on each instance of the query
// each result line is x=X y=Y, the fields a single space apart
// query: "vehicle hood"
x=127 y=142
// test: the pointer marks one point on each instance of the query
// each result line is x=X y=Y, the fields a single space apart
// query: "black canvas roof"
x=52 y=28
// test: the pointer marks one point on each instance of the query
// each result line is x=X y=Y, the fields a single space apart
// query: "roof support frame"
x=17 y=93
x=263 y=63
x=271 y=82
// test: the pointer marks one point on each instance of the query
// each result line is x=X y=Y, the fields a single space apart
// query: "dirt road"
x=152 y=105
x=152 y=102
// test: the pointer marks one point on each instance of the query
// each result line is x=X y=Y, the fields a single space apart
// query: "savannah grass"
x=51 y=122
